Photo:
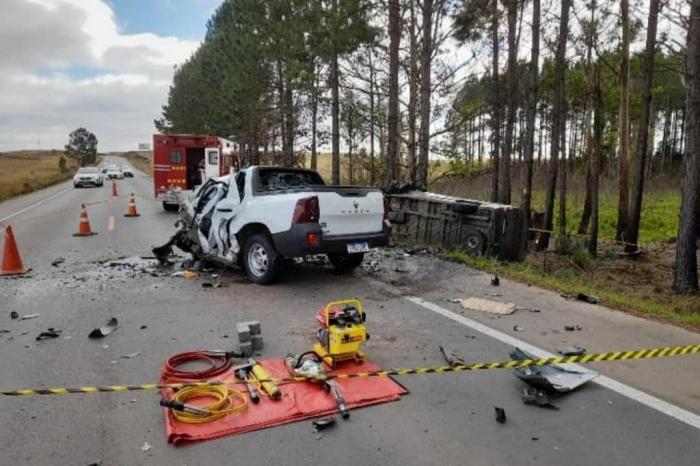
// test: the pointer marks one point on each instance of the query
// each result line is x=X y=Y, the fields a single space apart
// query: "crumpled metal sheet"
x=561 y=378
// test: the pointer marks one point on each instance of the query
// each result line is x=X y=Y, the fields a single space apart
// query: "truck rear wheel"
x=261 y=261
x=344 y=263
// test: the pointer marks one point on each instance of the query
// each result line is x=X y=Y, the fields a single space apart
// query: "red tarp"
x=299 y=401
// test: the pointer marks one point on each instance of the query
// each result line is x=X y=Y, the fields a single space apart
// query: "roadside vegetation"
x=141 y=160
x=27 y=171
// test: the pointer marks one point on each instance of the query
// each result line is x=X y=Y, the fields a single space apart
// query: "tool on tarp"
x=310 y=365
x=341 y=333
x=253 y=373
x=243 y=373
x=226 y=401
x=180 y=406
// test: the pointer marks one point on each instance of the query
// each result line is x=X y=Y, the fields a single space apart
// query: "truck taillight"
x=306 y=210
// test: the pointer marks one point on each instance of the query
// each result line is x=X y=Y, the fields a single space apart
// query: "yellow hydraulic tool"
x=259 y=373
x=342 y=332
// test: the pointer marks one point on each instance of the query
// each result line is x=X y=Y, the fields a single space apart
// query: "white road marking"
x=632 y=393
x=112 y=223
x=21 y=211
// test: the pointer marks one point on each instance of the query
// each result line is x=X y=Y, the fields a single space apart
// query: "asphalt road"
x=641 y=413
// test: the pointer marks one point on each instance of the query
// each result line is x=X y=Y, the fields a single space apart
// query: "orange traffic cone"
x=84 y=227
x=132 y=208
x=114 y=189
x=11 y=262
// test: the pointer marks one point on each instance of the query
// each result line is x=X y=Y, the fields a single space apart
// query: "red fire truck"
x=183 y=161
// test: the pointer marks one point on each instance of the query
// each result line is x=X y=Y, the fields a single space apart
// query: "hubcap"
x=257 y=260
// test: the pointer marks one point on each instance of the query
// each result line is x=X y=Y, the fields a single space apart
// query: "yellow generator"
x=342 y=332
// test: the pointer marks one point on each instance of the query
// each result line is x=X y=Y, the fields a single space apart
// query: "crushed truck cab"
x=259 y=216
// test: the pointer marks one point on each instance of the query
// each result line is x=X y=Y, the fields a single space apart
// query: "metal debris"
x=586 y=298
x=323 y=423
x=571 y=350
x=451 y=358
x=14 y=315
x=105 y=330
x=58 y=261
x=561 y=378
x=571 y=328
x=518 y=328
x=146 y=447
x=48 y=334
x=29 y=316
x=132 y=355
x=532 y=396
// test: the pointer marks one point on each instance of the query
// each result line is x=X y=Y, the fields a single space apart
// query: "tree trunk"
x=335 y=108
x=557 y=116
x=412 y=96
x=289 y=124
x=480 y=147
x=632 y=232
x=563 y=172
x=425 y=91
x=495 y=105
x=371 y=117
x=595 y=160
x=685 y=278
x=504 y=173
x=392 y=151
x=314 y=120
x=624 y=124
x=529 y=141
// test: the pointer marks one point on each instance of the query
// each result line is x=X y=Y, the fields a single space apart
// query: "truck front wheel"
x=344 y=263
x=261 y=261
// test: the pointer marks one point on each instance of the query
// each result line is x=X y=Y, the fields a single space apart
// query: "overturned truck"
x=446 y=222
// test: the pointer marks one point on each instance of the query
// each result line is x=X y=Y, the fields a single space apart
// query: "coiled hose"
x=226 y=400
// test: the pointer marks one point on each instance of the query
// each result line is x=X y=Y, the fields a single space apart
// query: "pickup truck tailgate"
x=351 y=211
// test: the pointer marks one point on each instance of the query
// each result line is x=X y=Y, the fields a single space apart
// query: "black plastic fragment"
x=495 y=281
x=500 y=415
x=105 y=330
x=49 y=334
x=14 y=315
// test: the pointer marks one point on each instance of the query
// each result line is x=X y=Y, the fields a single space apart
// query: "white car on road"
x=115 y=172
x=260 y=216
x=88 y=176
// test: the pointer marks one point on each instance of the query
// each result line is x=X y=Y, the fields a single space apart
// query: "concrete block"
x=243 y=333
x=254 y=326
x=257 y=342
x=247 y=349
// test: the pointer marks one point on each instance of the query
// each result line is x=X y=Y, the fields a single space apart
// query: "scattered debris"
x=451 y=358
x=58 y=261
x=185 y=274
x=48 y=334
x=323 y=423
x=454 y=300
x=486 y=305
x=143 y=327
x=495 y=281
x=571 y=350
x=14 y=315
x=532 y=396
x=562 y=378
x=2 y=331
x=207 y=285
x=108 y=328
x=146 y=447
x=571 y=328
x=534 y=439
x=500 y=415
x=518 y=328
x=586 y=298
x=132 y=355
x=29 y=316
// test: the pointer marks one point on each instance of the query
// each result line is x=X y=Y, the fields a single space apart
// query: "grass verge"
x=639 y=286
x=24 y=172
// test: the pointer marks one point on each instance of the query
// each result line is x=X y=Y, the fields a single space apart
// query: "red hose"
x=218 y=364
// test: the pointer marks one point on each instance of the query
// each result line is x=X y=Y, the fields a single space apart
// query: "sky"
x=105 y=65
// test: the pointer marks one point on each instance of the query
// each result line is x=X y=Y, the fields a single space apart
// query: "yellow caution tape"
x=649 y=353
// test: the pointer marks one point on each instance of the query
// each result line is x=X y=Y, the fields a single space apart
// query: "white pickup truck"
x=260 y=216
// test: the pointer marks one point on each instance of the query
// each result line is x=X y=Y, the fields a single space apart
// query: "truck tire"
x=474 y=242
x=168 y=207
x=344 y=262
x=261 y=261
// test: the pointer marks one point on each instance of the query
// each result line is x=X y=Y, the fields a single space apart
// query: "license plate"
x=354 y=248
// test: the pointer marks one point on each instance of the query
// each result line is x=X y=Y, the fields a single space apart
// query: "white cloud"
x=65 y=63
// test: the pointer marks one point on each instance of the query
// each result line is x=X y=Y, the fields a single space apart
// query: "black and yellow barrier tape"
x=649 y=353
